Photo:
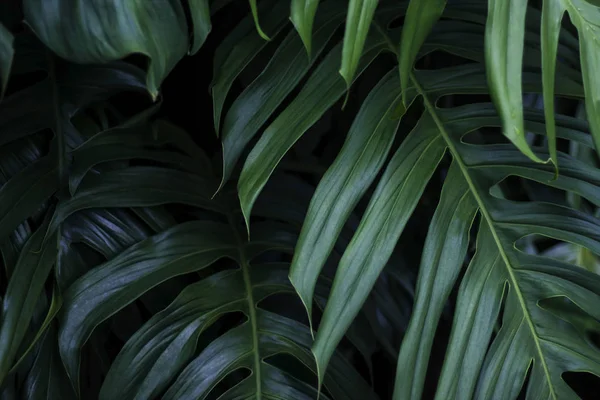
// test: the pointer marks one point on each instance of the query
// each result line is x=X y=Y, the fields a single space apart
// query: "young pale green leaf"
x=239 y=48
x=262 y=97
x=443 y=256
x=302 y=14
x=22 y=294
x=200 y=11
x=84 y=32
x=7 y=53
x=254 y=9
x=391 y=205
x=358 y=23
x=552 y=15
x=504 y=42
x=420 y=18
x=366 y=148
x=586 y=17
x=316 y=97
x=108 y=288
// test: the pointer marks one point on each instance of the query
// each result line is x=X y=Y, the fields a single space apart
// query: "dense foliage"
x=299 y=199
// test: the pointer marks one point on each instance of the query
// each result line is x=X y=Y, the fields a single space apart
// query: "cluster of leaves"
x=115 y=226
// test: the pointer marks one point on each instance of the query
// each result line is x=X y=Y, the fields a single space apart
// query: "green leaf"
x=586 y=18
x=275 y=335
x=139 y=187
x=26 y=192
x=7 y=53
x=143 y=140
x=420 y=18
x=366 y=148
x=504 y=41
x=443 y=256
x=265 y=94
x=302 y=14
x=168 y=340
x=530 y=336
x=200 y=11
x=481 y=279
x=238 y=49
x=358 y=23
x=55 y=305
x=165 y=346
x=108 y=288
x=319 y=93
x=254 y=9
x=23 y=292
x=552 y=15
x=82 y=32
x=391 y=205
x=47 y=378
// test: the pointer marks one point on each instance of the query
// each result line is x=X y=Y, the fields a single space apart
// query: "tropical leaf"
x=302 y=14
x=22 y=294
x=358 y=23
x=126 y=270
x=366 y=149
x=182 y=249
x=421 y=16
x=237 y=50
x=111 y=209
x=287 y=67
x=499 y=276
x=71 y=28
x=287 y=128
x=503 y=223
x=504 y=42
x=200 y=11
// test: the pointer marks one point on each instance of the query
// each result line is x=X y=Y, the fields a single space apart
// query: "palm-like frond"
x=500 y=275
x=109 y=244
x=172 y=334
x=89 y=231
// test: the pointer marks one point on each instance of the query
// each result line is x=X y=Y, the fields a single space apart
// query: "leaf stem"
x=245 y=265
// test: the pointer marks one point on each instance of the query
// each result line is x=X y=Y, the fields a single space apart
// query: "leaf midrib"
x=486 y=215
x=251 y=306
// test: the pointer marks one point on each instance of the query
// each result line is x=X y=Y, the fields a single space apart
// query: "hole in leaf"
x=295 y=367
x=559 y=250
x=457 y=100
x=519 y=189
x=396 y=23
x=286 y=304
x=485 y=135
x=585 y=384
x=523 y=392
x=220 y=327
x=571 y=313
x=229 y=382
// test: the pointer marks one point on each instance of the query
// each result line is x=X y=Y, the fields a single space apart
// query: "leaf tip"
x=306 y=301
x=555 y=164
x=320 y=372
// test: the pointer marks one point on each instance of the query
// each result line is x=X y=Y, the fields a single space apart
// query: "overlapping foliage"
x=89 y=230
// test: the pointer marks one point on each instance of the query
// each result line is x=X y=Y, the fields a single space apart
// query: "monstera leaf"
x=501 y=281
